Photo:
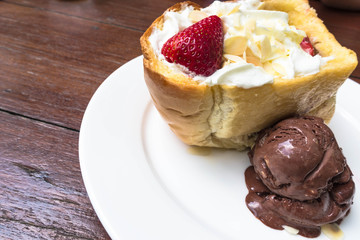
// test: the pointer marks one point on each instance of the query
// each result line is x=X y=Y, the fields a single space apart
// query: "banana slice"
x=279 y=68
x=234 y=58
x=265 y=48
x=252 y=58
x=235 y=45
x=197 y=15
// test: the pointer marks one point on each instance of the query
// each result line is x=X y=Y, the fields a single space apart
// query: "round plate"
x=144 y=183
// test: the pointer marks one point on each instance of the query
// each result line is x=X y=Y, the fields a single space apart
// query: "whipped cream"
x=244 y=75
x=259 y=45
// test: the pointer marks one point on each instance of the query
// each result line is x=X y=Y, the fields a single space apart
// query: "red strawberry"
x=307 y=46
x=198 y=47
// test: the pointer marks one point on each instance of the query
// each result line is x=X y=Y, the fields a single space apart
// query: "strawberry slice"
x=198 y=47
x=307 y=46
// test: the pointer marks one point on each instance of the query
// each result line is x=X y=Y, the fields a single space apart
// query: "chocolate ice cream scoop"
x=299 y=177
x=298 y=158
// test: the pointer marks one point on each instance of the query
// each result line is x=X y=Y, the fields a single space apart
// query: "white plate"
x=146 y=184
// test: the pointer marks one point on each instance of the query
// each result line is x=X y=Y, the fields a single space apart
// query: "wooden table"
x=53 y=56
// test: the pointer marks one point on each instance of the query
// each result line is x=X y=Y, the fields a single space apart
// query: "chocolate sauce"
x=306 y=216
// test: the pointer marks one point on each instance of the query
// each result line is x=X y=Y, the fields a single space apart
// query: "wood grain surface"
x=53 y=56
x=42 y=193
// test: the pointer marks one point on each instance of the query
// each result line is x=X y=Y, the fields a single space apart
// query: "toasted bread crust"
x=229 y=116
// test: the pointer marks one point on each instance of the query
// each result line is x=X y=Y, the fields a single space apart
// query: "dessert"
x=278 y=60
x=299 y=177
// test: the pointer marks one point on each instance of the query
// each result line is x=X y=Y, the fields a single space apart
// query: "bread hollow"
x=229 y=116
